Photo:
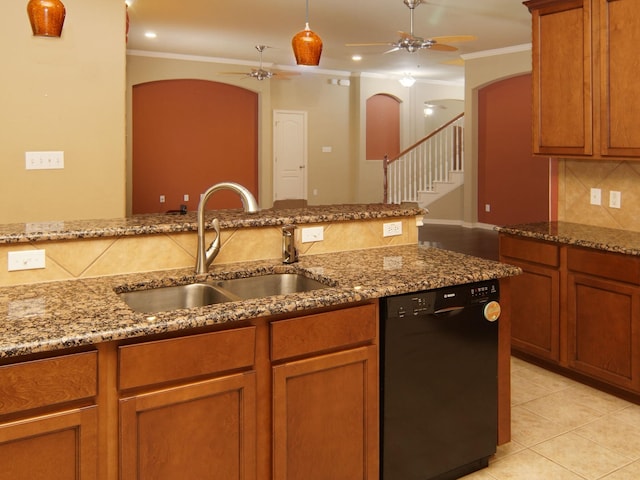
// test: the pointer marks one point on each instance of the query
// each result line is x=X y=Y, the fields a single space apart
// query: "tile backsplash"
x=577 y=177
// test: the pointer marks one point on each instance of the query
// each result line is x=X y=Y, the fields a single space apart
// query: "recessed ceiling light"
x=150 y=34
x=356 y=58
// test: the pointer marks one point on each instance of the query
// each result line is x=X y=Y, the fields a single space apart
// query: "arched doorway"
x=188 y=135
x=383 y=126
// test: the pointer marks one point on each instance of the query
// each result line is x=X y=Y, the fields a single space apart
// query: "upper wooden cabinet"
x=585 y=89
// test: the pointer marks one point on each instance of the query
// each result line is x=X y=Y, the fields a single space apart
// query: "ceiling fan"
x=261 y=73
x=412 y=43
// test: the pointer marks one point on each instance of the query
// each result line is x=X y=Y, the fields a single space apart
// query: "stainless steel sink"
x=163 y=299
x=268 y=285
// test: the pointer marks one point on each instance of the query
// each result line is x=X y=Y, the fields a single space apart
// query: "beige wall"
x=73 y=94
x=63 y=94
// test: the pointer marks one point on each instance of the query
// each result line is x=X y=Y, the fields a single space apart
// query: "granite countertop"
x=171 y=223
x=599 y=238
x=52 y=316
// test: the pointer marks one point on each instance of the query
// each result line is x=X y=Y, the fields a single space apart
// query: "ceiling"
x=230 y=30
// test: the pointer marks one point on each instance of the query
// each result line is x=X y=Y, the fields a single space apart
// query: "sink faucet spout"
x=204 y=255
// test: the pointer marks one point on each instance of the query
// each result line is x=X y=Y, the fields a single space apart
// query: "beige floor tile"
x=529 y=465
x=506 y=450
x=524 y=390
x=565 y=408
x=598 y=400
x=581 y=455
x=528 y=428
x=630 y=415
x=630 y=472
x=480 y=475
x=614 y=434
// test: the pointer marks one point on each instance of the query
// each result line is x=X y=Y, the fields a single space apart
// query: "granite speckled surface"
x=170 y=223
x=600 y=238
x=52 y=316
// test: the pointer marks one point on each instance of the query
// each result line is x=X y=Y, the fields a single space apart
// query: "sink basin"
x=172 y=298
x=268 y=285
x=163 y=299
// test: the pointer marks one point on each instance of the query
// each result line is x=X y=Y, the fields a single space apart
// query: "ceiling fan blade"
x=394 y=49
x=440 y=47
x=282 y=73
x=454 y=38
x=232 y=73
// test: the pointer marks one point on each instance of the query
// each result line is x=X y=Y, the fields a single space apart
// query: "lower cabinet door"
x=602 y=324
x=203 y=430
x=325 y=420
x=59 y=446
x=535 y=312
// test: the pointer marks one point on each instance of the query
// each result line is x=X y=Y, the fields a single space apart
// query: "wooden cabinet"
x=577 y=309
x=603 y=316
x=198 y=424
x=535 y=296
x=585 y=88
x=283 y=398
x=48 y=418
x=325 y=405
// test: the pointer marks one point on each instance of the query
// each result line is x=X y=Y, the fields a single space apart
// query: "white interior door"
x=289 y=155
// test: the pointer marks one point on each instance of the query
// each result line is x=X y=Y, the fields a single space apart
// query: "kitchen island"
x=255 y=389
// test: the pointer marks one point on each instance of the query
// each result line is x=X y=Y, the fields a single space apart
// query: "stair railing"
x=429 y=160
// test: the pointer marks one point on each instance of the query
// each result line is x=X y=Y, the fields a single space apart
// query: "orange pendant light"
x=46 y=17
x=307 y=45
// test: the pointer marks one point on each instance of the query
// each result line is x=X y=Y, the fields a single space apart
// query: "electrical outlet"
x=25 y=260
x=615 y=199
x=185 y=197
x=391 y=229
x=596 y=196
x=162 y=199
x=487 y=207
x=44 y=160
x=312 y=234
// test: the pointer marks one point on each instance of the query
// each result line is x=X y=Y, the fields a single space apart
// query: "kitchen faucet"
x=204 y=256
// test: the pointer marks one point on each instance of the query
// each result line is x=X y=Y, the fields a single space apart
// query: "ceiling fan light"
x=407 y=81
x=307 y=47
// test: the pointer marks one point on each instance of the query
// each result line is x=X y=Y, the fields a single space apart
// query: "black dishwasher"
x=439 y=363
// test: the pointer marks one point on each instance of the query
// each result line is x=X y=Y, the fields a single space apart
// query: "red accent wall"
x=383 y=126
x=189 y=135
x=513 y=182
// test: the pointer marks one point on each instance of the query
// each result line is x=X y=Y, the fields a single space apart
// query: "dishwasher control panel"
x=442 y=299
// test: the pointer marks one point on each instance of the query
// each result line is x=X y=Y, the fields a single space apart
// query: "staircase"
x=429 y=169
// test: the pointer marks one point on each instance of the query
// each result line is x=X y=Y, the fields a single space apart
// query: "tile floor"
x=564 y=430
x=560 y=429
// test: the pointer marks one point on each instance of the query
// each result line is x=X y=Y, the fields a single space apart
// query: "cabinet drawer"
x=616 y=266
x=533 y=251
x=52 y=381
x=323 y=331
x=185 y=357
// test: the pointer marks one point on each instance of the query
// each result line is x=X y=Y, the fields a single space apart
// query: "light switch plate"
x=596 y=196
x=44 y=160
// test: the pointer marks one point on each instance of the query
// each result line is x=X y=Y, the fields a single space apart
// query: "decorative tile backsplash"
x=95 y=257
x=576 y=178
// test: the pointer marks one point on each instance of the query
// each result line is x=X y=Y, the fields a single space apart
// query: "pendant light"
x=46 y=17
x=307 y=46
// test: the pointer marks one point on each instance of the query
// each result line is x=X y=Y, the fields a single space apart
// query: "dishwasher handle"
x=446 y=310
